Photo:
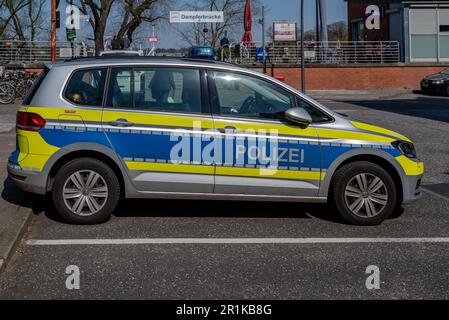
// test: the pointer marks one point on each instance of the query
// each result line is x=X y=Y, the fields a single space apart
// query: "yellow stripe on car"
x=32 y=143
x=276 y=174
x=351 y=135
x=376 y=129
x=226 y=171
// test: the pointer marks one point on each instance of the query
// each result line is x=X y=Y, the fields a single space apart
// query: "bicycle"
x=7 y=93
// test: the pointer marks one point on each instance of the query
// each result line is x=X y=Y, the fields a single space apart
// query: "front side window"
x=85 y=87
x=155 y=89
x=245 y=96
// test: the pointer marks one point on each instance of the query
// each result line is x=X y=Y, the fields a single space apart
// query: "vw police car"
x=96 y=130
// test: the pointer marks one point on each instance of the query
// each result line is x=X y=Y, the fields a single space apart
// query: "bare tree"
x=24 y=18
x=34 y=17
x=98 y=12
x=135 y=13
x=12 y=22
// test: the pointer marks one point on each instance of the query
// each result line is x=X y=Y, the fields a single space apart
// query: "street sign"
x=196 y=16
x=70 y=34
x=152 y=39
x=284 y=31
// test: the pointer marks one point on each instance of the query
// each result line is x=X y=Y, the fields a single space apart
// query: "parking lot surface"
x=158 y=249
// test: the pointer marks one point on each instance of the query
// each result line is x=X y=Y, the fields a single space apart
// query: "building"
x=420 y=27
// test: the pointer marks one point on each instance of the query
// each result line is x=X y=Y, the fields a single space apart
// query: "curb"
x=16 y=237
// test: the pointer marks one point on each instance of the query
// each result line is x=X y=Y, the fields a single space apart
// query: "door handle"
x=121 y=123
x=227 y=128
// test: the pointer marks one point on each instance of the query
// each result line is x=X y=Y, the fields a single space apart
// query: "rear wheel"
x=363 y=193
x=85 y=191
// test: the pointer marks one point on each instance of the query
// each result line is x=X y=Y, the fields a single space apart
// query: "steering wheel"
x=247 y=104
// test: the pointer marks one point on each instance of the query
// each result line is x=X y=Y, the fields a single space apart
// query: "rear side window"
x=155 y=89
x=36 y=84
x=86 y=87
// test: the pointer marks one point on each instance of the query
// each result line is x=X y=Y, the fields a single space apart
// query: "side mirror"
x=299 y=116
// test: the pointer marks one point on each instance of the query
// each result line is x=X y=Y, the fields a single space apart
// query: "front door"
x=263 y=154
x=151 y=118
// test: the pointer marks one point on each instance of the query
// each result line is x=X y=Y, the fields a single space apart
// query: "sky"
x=275 y=10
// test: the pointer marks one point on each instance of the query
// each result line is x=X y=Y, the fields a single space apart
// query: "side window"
x=120 y=85
x=155 y=89
x=245 y=96
x=316 y=115
x=85 y=87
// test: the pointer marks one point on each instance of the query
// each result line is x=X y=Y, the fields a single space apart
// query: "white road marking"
x=62 y=242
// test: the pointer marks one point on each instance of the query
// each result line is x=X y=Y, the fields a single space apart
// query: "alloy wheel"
x=366 y=195
x=85 y=192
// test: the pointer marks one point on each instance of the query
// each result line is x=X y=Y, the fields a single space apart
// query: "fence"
x=331 y=52
x=27 y=52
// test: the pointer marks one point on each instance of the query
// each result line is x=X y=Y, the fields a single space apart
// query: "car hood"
x=369 y=128
x=437 y=76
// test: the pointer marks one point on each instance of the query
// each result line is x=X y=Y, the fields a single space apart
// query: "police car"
x=96 y=130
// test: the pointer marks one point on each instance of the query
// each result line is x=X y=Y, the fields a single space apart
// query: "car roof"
x=129 y=59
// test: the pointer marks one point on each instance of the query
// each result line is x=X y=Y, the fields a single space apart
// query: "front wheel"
x=363 y=193
x=85 y=191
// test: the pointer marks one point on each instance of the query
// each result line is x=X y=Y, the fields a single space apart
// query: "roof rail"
x=131 y=57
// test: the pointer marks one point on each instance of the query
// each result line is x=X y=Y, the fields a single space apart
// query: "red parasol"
x=247 y=23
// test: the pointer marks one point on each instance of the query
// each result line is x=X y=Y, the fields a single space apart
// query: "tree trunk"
x=99 y=41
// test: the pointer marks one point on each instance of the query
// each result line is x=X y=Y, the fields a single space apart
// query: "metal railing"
x=331 y=52
x=27 y=52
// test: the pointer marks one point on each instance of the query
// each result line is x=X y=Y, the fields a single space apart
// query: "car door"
x=152 y=117
x=263 y=154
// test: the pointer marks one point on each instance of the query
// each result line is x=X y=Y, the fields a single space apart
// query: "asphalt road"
x=228 y=265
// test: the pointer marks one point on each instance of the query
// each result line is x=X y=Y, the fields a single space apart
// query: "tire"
x=367 y=205
x=447 y=90
x=88 y=179
x=7 y=93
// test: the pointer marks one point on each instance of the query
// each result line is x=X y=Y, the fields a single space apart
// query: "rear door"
x=153 y=118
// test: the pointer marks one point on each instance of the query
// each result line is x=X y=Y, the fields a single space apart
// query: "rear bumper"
x=28 y=181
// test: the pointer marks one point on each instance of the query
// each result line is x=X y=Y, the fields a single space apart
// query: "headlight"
x=406 y=148
x=438 y=82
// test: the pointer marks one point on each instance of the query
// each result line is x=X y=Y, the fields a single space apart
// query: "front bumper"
x=433 y=88
x=412 y=189
x=29 y=181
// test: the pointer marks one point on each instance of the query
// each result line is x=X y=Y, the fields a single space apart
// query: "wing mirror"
x=299 y=116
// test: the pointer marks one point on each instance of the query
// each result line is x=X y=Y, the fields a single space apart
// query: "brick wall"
x=352 y=78
x=357 y=78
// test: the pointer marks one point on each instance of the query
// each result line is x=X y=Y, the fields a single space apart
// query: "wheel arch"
x=95 y=151
x=378 y=157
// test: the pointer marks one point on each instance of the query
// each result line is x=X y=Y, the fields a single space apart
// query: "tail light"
x=29 y=121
